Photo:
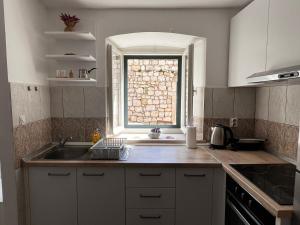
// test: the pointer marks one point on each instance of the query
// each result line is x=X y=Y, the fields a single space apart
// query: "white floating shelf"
x=77 y=36
x=83 y=58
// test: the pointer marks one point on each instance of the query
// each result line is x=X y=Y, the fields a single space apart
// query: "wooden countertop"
x=180 y=156
x=154 y=156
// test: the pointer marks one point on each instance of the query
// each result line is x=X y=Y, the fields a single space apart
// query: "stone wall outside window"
x=152 y=87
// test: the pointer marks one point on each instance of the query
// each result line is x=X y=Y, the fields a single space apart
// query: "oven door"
x=237 y=214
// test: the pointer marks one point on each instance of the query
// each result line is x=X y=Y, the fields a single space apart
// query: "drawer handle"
x=150 y=174
x=59 y=174
x=194 y=175
x=150 y=196
x=156 y=217
x=93 y=174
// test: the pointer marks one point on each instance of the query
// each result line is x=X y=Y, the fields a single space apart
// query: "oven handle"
x=257 y=222
x=237 y=212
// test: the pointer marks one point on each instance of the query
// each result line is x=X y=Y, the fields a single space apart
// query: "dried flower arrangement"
x=70 y=21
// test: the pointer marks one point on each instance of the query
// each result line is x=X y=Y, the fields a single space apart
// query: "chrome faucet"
x=63 y=141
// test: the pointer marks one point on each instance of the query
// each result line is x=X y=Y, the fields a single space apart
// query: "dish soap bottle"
x=96 y=136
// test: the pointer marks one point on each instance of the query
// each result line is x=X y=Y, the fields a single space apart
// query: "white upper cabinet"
x=284 y=34
x=248 y=42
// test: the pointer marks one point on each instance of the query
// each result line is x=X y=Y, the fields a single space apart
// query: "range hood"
x=275 y=75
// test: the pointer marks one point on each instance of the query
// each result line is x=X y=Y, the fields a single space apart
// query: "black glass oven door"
x=236 y=215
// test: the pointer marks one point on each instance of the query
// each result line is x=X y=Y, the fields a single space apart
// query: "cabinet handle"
x=150 y=174
x=59 y=174
x=150 y=217
x=93 y=174
x=150 y=196
x=195 y=175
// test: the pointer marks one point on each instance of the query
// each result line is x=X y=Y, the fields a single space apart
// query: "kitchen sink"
x=66 y=153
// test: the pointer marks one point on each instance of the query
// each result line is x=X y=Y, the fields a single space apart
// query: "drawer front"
x=150 y=198
x=150 y=177
x=150 y=217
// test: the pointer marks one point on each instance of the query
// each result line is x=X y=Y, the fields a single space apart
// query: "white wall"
x=26 y=43
x=212 y=24
x=9 y=207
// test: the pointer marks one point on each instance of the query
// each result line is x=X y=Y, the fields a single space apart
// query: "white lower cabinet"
x=96 y=196
x=101 y=196
x=194 y=188
x=53 y=198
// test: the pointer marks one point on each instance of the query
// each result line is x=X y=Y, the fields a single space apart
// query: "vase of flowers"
x=69 y=21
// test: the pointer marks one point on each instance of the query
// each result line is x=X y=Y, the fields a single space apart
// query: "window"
x=152 y=91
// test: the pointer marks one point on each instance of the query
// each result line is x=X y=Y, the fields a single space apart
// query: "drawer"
x=150 y=198
x=150 y=177
x=150 y=217
x=194 y=176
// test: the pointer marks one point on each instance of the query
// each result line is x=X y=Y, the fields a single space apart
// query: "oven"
x=242 y=208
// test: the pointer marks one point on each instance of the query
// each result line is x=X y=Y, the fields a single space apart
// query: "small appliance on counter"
x=221 y=136
x=248 y=144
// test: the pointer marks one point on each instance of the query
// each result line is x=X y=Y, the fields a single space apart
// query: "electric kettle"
x=221 y=136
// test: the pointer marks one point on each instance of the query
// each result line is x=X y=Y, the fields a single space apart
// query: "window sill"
x=142 y=138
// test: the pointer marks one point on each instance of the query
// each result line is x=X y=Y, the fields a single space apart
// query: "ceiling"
x=152 y=40
x=94 y=4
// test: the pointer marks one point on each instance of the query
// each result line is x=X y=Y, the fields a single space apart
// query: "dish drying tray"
x=110 y=149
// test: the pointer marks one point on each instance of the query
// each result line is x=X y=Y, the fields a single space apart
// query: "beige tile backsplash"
x=223 y=102
x=208 y=102
x=75 y=111
x=279 y=104
x=73 y=102
x=56 y=103
x=78 y=102
x=277 y=118
x=33 y=104
x=94 y=102
x=229 y=102
x=262 y=103
x=293 y=105
x=244 y=103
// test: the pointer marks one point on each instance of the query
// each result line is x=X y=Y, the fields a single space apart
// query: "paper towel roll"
x=191 y=137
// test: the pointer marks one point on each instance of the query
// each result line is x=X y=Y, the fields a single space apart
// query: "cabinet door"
x=193 y=196
x=284 y=34
x=53 y=196
x=101 y=196
x=248 y=42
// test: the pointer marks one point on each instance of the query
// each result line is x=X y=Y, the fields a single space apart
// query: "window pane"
x=152 y=91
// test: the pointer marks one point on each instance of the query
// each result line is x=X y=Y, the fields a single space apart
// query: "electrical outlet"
x=22 y=120
x=233 y=122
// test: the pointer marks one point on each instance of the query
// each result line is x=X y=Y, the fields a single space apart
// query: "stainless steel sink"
x=66 y=153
